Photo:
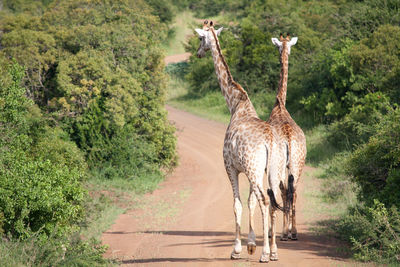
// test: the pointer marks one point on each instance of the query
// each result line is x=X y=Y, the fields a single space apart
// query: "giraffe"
x=250 y=147
x=294 y=139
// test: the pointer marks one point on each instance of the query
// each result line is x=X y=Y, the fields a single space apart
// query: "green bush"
x=360 y=123
x=1 y=224
x=376 y=62
x=94 y=74
x=360 y=19
x=59 y=149
x=349 y=71
x=177 y=70
x=374 y=232
x=40 y=184
x=201 y=75
x=375 y=166
x=38 y=195
x=162 y=9
x=373 y=229
x=13 y=104
x=33 y=6
x=131 y=158
x=55 y=251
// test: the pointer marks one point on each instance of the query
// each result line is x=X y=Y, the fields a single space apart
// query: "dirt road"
x=189 y=220
x=177 y=58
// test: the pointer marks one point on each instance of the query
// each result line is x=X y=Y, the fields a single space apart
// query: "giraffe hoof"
x=251 y=248
x=274 y=256
x=284 y=237
x=264 y=258
x=293 y=237
x=235 y=256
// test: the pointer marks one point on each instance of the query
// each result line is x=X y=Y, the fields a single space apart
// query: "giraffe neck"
x=233 y=93
x=282 y=89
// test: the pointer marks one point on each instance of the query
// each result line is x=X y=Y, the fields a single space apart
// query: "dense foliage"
x=375 y=165
x=41 y=195
x=82 y=92
x=40 y=169
x=95 y=73
x=374 y=232
x=337 y=59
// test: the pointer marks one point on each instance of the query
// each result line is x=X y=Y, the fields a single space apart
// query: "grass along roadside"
x=109 y=199
x=320 y=211
x=159 y=211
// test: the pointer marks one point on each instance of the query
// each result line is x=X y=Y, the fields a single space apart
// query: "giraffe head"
x=206 y=37
x=284 y=44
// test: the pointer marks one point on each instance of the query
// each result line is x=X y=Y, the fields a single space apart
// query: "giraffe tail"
x=290 y=191
x=272 y=198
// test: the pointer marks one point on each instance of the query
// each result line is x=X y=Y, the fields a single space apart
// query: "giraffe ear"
x=293 y=41
x=276 y=42
x=219 y=31
x=200 y=32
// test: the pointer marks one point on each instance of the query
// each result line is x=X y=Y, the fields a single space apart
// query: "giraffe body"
x=292 y=137
x=251 y=146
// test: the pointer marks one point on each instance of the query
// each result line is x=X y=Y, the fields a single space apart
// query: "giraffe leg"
x=293 y=218
x=237 y=208
x=276 y=178
x=285 y=229
x=296 y=169
x=274 y=248
x=273 y=211
x=264 y=206
x=251 y=243
x=285 y=213
x=285 y=200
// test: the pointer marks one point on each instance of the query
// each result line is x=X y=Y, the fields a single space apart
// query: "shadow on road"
x=316 y=244
x=175 y=260
x=178 y=233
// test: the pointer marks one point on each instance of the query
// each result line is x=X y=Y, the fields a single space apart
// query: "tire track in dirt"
x=190 y=219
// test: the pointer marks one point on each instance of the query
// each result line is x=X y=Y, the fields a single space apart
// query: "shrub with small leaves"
x=40 y=174
x=374 y=232
x=357 y=126
x=375 y=166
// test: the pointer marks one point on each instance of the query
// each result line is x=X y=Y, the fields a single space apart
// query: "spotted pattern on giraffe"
x=251 y=146
x=291 y=135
